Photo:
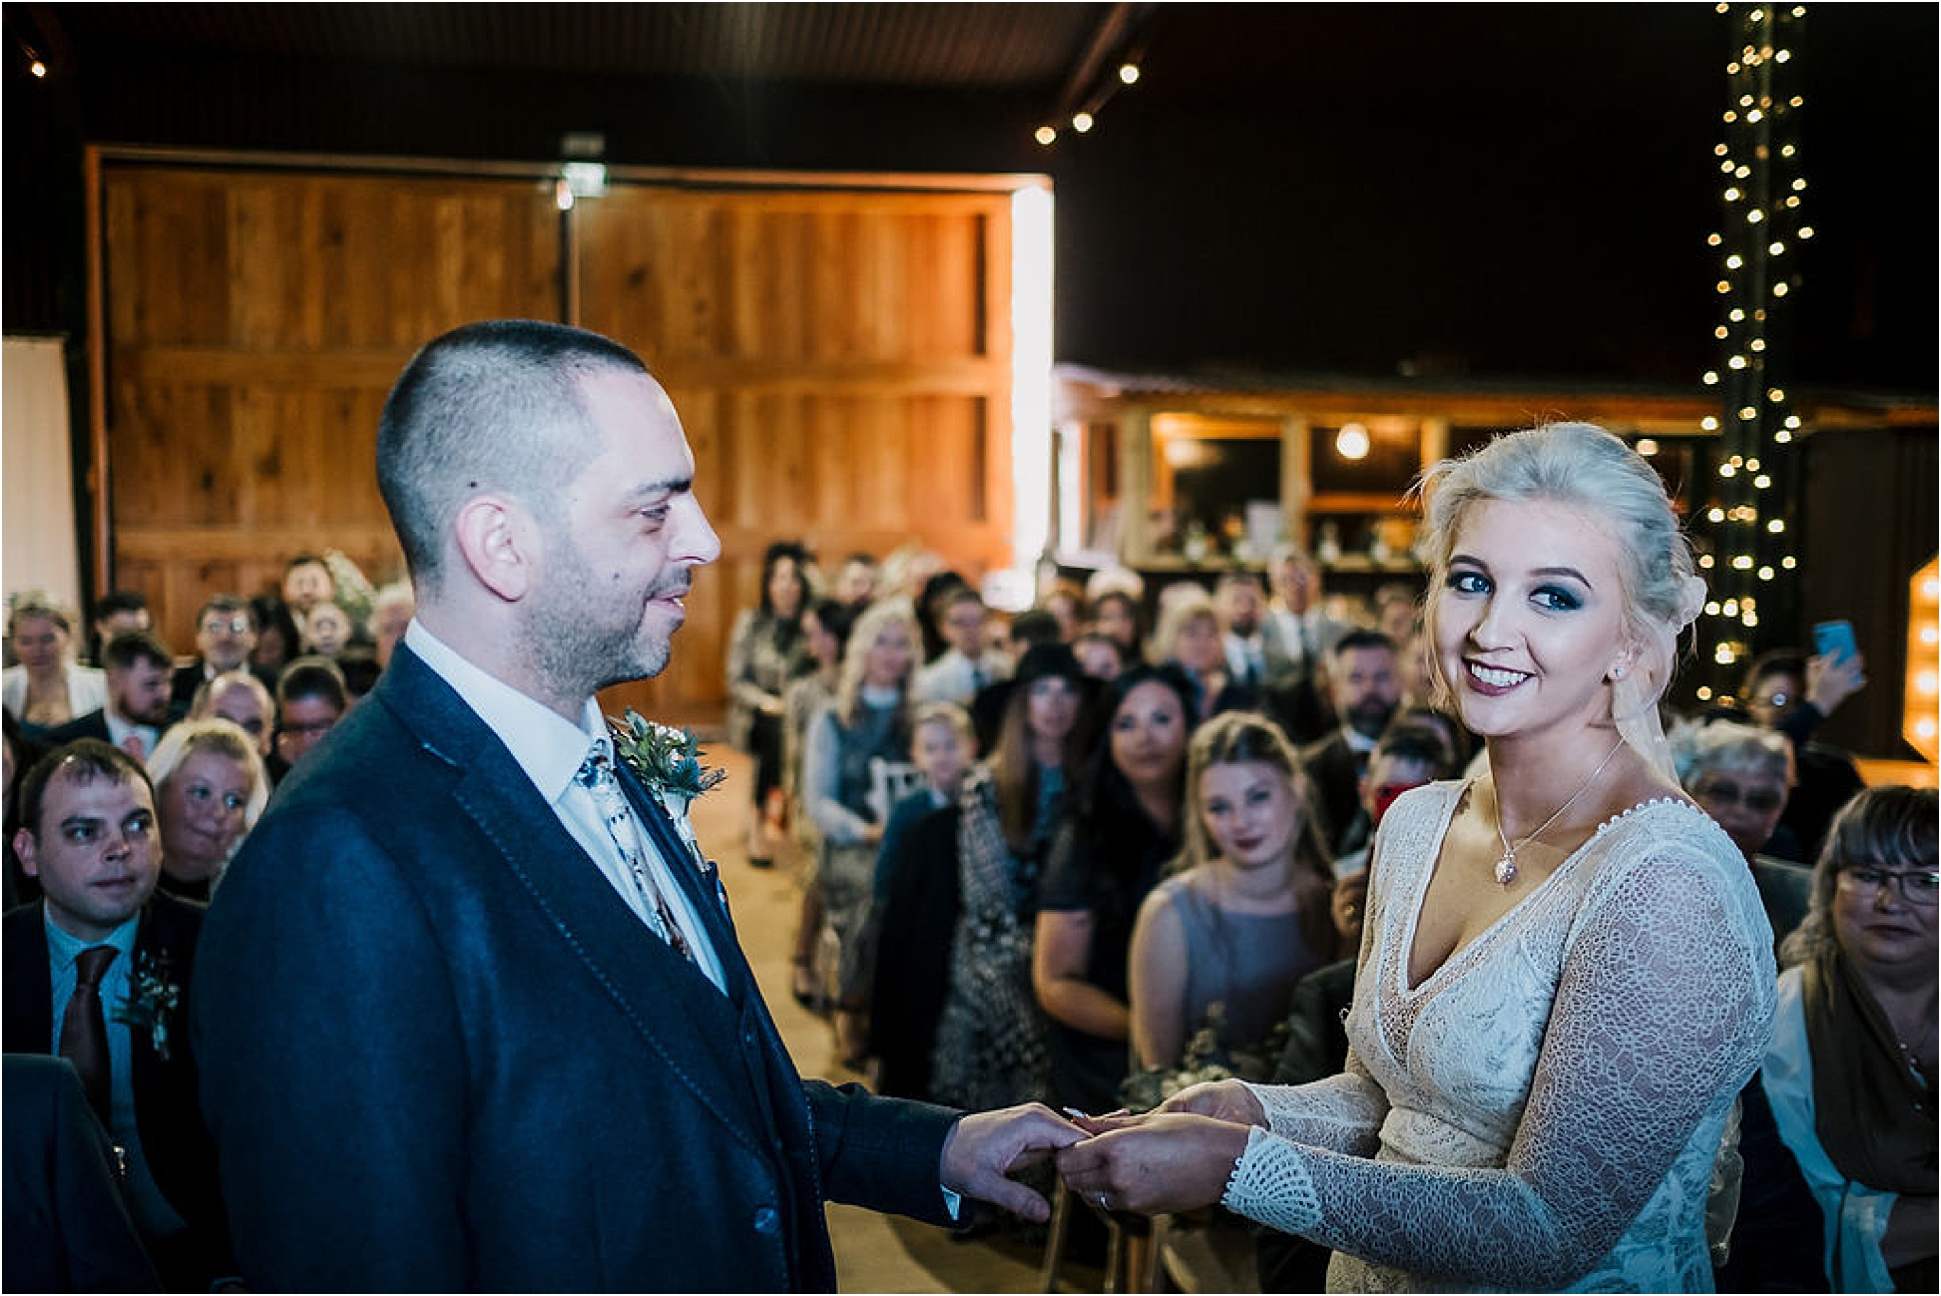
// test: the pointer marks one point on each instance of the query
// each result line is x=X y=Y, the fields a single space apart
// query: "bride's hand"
x=1225 y=1100
x=1169 y=1161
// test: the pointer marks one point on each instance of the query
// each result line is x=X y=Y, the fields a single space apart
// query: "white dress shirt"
x=550 y=751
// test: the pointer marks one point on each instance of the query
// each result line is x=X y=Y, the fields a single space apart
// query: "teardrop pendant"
x=1506 y=869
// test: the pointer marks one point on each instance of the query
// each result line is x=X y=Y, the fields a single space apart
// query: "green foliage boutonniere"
x=152 y=999
x=667 y=760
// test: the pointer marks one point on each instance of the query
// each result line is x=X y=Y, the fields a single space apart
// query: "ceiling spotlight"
x=1081 y=122
x=1045 y=135
x=38 y=68
x=1128 y=72
x=1351 y=442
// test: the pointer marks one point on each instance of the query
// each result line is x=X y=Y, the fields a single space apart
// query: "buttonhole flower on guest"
x=667 y=760
x=152 y=999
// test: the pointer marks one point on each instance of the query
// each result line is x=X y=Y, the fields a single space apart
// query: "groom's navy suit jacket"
x=440 y=1053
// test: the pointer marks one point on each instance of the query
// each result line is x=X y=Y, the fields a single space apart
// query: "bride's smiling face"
x=1529 y=619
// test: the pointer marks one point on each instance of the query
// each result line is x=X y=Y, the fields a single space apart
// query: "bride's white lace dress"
x=1543 y=1110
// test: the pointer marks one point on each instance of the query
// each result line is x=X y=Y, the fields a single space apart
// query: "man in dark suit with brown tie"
x=100 y=971
x=476 y=1016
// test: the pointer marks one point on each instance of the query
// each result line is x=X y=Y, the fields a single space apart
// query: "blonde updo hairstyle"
x=1585 y=467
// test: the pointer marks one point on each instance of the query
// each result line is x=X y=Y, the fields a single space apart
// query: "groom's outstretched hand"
x=985 y=1148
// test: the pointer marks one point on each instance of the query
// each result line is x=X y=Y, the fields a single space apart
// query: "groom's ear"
x=499 y=545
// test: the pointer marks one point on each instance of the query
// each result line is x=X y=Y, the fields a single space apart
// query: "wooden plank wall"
x=841 y=360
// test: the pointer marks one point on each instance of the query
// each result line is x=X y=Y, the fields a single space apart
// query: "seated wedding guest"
x=306 y=583
x=1115 y=614
x=46 y=687
x=1365 y=691
x=1028 y=628
x=20 y=754
x=934 y=591
x=1188 y=638
x=868 y=719
x=240 y=698
x=1460 y=743
x=117 y=612
x=916 y=903
x=990 y=1038
x=825 y=629
x=1739 y=774
x=1247 y=915
x=1099 y=655
x=225 y=635
x=67 y=1225
x=359 y=665
x=278 y=641
x=855 y=583
x=1397 y=611
x=329 y=631
x=1125 y=824
x=1407 y=755
x=1850 y=1072
x=1412 y=661
x=210 y=788
x=1566 y=978
x=138 y=667
x=100 y=972
x=391 y=611
x=1065 y=600
x=311 y=698
x=1794 y=695
x=767 y=649
x=967 y=663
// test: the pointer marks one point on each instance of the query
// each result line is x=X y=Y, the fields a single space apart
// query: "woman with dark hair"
x=278 y=641
x=765 y=651
x=825 y=628
x=1106 y=857
x=1115 y=613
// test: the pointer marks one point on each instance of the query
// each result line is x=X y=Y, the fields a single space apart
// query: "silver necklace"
x=1506 y=867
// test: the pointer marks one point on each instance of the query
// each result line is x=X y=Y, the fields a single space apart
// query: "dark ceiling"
x=1493 y=189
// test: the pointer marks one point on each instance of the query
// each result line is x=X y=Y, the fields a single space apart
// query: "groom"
x=471 y=1016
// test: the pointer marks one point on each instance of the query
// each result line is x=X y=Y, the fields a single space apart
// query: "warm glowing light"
x=1734 y=261
x=1709 y=423
x=1031 y=385
x=1742 y=563
x=1351 y=442
x=1806 y=231
x=1715 y=514
x=1129 y=72
x=1727 y=470
x=1647 y=447
x=1045 y=135
x=1782 y=436
x=1705 y=561
x=1780 y=289
x=562 y=194
x=1713 y=240
x=1081 y=122
x=1712 y=608
x=1732 y=195
x=38 y=68
x=1776 y=247
x=1788 y=562
x=1930 y=636
x=1754 y=216
x=1711 y=377
x=1705 y=693
x=1736 y=362
x=1776 y=526
x=1925 y=683
x=1766 y=573
x=1762 y=481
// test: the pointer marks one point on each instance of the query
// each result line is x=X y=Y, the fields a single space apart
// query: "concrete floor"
x=874 y=1253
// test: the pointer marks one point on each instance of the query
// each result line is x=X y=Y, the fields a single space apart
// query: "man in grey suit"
x=478 y=1017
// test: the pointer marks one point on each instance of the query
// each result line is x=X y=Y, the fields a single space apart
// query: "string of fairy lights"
x=1750 y=559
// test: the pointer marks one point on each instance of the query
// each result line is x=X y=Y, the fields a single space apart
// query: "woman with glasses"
x=1741 y=775
x=1850 y=1072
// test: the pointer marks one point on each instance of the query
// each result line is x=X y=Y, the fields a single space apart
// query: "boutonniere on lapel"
x=668 y=762
x=152 y=999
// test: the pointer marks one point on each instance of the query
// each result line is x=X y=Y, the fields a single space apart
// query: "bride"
x=1565 y=975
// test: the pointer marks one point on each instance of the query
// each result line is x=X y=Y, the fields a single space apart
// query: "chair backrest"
x=889 y=783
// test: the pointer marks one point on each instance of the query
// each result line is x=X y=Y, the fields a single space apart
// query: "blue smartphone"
x=1834 y=640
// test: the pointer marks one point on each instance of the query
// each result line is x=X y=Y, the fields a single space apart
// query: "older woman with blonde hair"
x=1565 y=976
x=210 y=788
x=1740 y=775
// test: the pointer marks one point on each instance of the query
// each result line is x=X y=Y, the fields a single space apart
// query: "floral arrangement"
x=153 y=996
x=667 y=760
x=1205 y=1059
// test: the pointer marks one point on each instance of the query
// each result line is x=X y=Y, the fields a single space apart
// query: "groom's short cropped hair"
x=492 y=406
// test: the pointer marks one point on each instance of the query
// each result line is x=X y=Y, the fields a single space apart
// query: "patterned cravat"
x=596 y=776
x=84 y=1030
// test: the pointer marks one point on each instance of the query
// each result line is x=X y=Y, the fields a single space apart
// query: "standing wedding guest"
x=1247 y=915
x=1565 y=978
x=136 y=710
x=868 y=720
x=766 y=650
x=1125 y=824
x=240 y=698
x=477 y=1018
x=210 y=788
x=990 y=1041
x=46 y=687
x=1850 y=1074
x=1792 y=694
x=103 y=971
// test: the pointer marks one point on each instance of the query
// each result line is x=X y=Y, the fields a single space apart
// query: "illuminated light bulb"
x=1737 y=316
x=1793 y=201
x=1774 y=394
x=1725 y=8
x=1737 y=461
x=1781 y=56
x=1750 y=619
x=1732 y=69
x=1762 y=481
x=1797 y=101
x=1045 y=135
x=1713 y=240
x=1925 y=683
x=1721 y=332
x=38 y=68
x=1704 y=693
x=1725 y=286
x=1727 y=470
x=1787 y=150
x=1745 y=101
x=1924 y=727
x=1788 y=562
x=1757 y=15
x=1776 y=248
x=1754 y=216
x=1731 y=607
x=1782 y=436
x=1732 y=195
x=1755 y=116
x=1930 y=636
x=1081 y=122
x=1712 y=608
x=1725 y=167
x=1734 y=261
x=1758 y=344
x=1705 y=561
x=1731 y=116
x=1742 y=563
x=1806 y=231
x=562 y=194
x=1129 y=72
x=1711 y=377
x=1720 y=150
x=1736 y=362
x=1799 y=184
x=1753 y=464
x=1766 y=573
x=1743 y=172
x=1351 y=442
x=1776 y=526
x=1792 y=420
x=1929 y=590
x=1780 y=289
x=1724 y=655
x=1747 y=414
x=1709 y=423
x=1715 y=515
x=1647 y=447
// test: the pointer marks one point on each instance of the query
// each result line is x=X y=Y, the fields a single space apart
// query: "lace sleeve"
x=1663 y=1006
x=1342 y=1113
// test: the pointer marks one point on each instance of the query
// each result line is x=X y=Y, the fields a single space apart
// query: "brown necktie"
x=84 y=1030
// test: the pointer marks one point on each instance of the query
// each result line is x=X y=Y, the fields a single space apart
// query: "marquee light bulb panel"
x=1753 y=574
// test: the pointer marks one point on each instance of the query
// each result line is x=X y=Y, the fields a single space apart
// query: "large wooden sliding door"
x=840 y=355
